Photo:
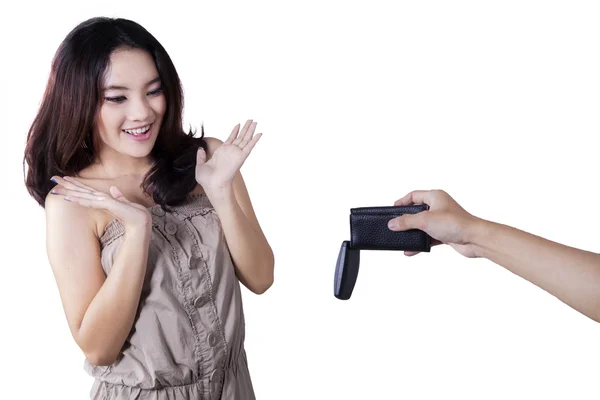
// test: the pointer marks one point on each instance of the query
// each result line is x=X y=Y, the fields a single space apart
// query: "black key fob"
x=346 y=271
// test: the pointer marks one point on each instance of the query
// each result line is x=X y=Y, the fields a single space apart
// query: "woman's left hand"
x=218 y=172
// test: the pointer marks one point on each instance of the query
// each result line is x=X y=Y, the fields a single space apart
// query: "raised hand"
x=445 y=221
x=132 y=215
x=218 y=172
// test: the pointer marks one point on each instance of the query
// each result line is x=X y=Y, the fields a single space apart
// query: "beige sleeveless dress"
x=187 y=341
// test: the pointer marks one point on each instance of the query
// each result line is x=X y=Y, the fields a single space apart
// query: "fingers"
x=415 y=197
x=90 y=203
x=408 y=221
x=102 y=201
x=246 y=134
x=244 y=140
x=201 y=156
x=71 y=190
x=404 y=201
x=117 y=194
x=236 y=138
x=68 y=183
x=233 y=135
x=249 y=146
x=245 y=128
x=244 y=137
x=71 y=194
x=77 y=192
x=88 y=199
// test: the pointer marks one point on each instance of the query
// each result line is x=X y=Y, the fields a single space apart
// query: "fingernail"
x=52 y=192
x=52 y=180
x=67 y=199
x=392 y=223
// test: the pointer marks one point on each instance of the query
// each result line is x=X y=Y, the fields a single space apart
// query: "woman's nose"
x=139 y=110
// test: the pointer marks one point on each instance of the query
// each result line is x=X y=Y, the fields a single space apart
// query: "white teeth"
x=137 y=131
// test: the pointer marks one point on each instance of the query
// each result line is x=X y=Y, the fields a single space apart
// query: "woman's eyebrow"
x=119 y=87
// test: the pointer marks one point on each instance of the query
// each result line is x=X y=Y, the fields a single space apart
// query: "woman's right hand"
x=132 y=215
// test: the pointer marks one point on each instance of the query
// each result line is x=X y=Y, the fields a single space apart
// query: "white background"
x=495 y=102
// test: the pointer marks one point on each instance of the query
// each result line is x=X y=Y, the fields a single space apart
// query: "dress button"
x=194 y=259
x=158 y=211
x=200 y=301
x=212 y=339
x=171 y=228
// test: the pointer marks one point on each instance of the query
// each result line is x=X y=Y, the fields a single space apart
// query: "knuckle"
x=402 y=221
x=419 y=222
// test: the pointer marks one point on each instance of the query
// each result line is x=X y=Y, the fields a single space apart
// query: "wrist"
x=219 y=194
x=142 y=229
x=478 y=234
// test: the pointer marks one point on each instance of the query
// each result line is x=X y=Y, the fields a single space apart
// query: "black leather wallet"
x=369 y=231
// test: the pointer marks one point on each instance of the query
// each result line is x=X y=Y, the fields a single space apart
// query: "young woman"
x=149 y=229
x=570 y=274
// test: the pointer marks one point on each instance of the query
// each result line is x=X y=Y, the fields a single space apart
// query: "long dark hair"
x=60 y=140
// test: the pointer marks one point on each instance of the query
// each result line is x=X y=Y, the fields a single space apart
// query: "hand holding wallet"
x=369 y=231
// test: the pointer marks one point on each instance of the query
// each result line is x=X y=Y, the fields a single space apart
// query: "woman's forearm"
x=109 y=317
x=570 y=274
x=250 y=251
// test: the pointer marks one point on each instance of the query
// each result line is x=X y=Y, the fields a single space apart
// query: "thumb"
x=200 y=156
x=117 y=194
x=408 y=221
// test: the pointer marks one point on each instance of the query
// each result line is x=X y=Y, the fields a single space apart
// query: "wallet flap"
x=392 y=211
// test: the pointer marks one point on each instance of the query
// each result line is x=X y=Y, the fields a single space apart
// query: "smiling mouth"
x=137 y=131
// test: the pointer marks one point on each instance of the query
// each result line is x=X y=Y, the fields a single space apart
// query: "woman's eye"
x=118 y=99
x=156 y=92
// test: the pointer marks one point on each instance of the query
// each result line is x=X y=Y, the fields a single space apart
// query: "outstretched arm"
x=570 y=274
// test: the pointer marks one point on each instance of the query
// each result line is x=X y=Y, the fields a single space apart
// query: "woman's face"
x=132 y=105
